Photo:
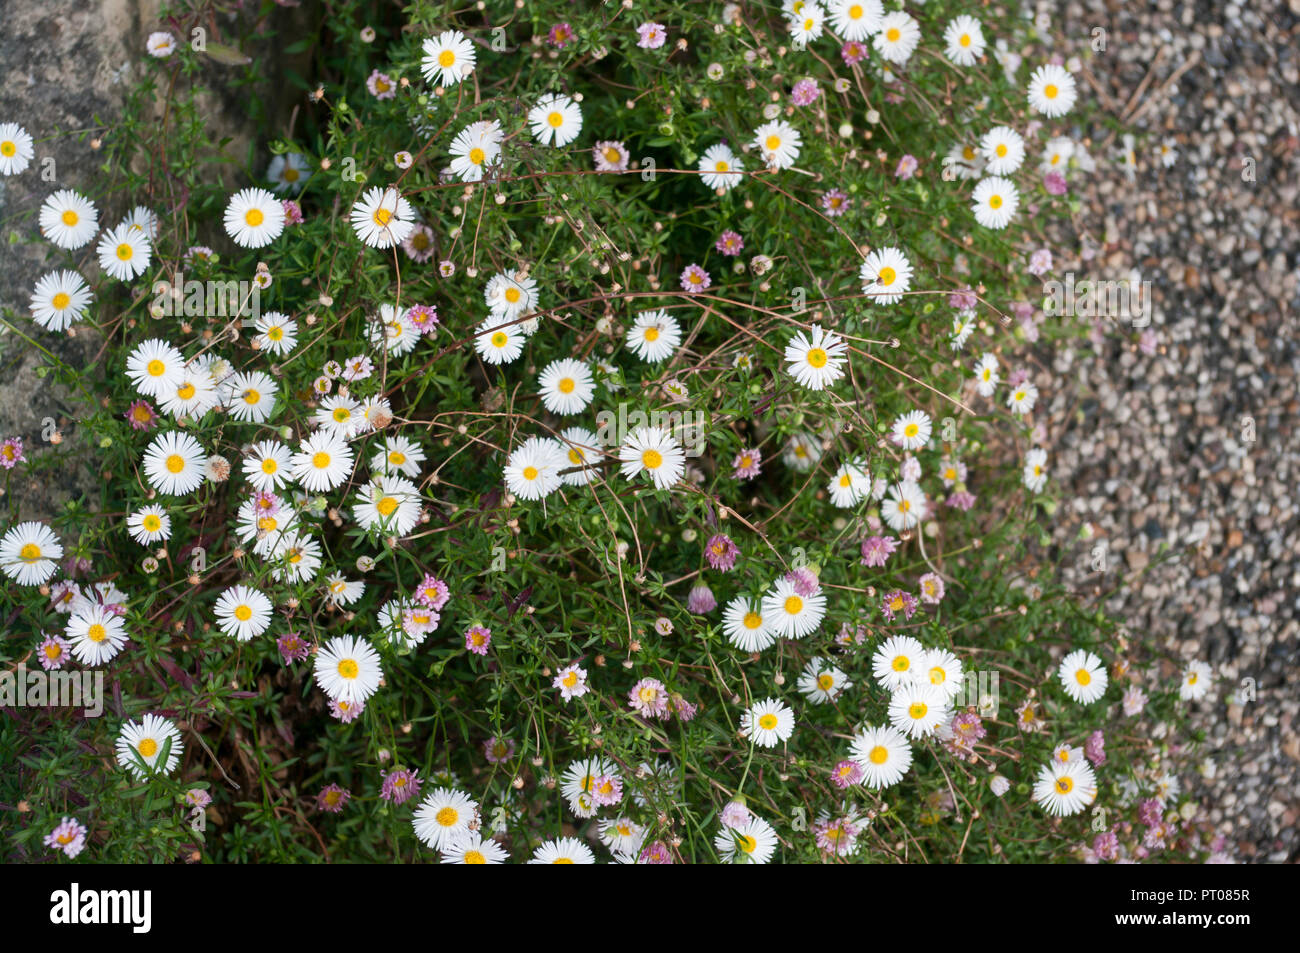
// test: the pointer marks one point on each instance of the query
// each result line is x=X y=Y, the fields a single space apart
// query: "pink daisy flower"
x=68 y=836
x=730 y=243
x=477 y=639
x=695 y=278
x=649 y=698
x=720 y=552
x=400 y=786
x=332 y=798
x=651 y=36
x=141 y=415
x=747 y=464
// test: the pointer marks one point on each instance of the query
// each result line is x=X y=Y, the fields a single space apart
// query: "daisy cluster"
x=601 y=475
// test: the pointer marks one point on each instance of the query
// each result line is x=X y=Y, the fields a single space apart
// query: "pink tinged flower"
x=1017 y=377
x=1134 y=701
x=346 y=712
x=332 y=798
x=963 y=300
x=419 y=621
x=571 y=681
x=1149 y=812
x=846 y=774
x=932 y=588
x=720 y=552
x=735 y=814
x=649 y=698
x=701 y=600
x=433 y=592
x=853 y=52
x=423 y=318
x=1054 y=182
x=651 y=36
x=420 y=246
x=446 y=267
x=11 y=453
x=906 y=167
x=877 y=549
x=836 y=202
x=1040 y=262
x=477 y=639
x=679 y=706
x=606 y=789
x=69 y=836
x=292 y=212
x=898 y=601
x=747 y=464
x=967 y=728
x=1106 y=846
x=961 y=500
x=1094 y=749
x=560 y=35
x=655 y=853
x=1148 y=341
x=805 y=92
x=695 y=278
x=805 y=582
x=837 y=837
x=851 y=635
x=293 y=647
x=53 y=652
x=380 y=85
x=141 y=416
x=730 y=243
x=498 y=750
x=198 y=798
x=400 y=786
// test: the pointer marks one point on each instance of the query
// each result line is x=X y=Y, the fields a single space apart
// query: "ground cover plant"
x=583 y=433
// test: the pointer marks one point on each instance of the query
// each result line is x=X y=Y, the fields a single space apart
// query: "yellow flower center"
x=652 y=334
x=1064 y=785
x=348 y=668
x=917 y=710
x=474 y=857
x=793 y=605
x=767 y=722
x=477 y=155
x=254 y=217
x=97 y=633
x=531 y=473
x=901 y=663
x=965 y=39
x=513 y=295
x=576 y=457
x=893 y=34
x=70 y=218
x=320 y=460
x=855 y=12
x=387 y=505
x=995 y=201
x=151 y=522
x=382 y=216
x=175 y=463
x=746 y=843
x=772 y=143
x=291 y=174
x=886 y=275
x=556 y=120
x=825 y=682
x=185 y=391
x=447 y=59
x=499 y=339
x=652 y=459
x=1083 y=677
x=243 y=613
x=879 y=754
x=8 y=149
x=567 y=385
x=447 y=816
x=275 y=334
x=147 y=748
x=569 y=680
x=817 y=357
x=1050 y=91
x=125 y=252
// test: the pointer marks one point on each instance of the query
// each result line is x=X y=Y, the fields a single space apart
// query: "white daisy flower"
x=849 y=486
x=448 y=58
x=767 y=723
x=821 y=682
x=323 y=462
x=654 y=336
x=533 y=470
x=802 y=452
x=884 y=755
x=1057 y=154
x=97 y=633
x=295 y=557
x=566 y=386
x=475 y=148
x=904 y=506
x=382 y=218
x=250 y=397
x=69 y=219
x=288 y=173
x=817 y=361
x=886 y=274
x=254 y=218
x=555 y=120
x=563 y=850
x=855 y=20
x=897 y=662
x=60 y=300
x=779 y=143
x=790 y=615
x=16 y=150
x=912 y=430
x=1063 y=789
x=753 y=842
x=964 y=161
x=149 y=524
x=498 y=342
x=622 y=836
x=173 y=463
x=963 y=41
x=193 y=394
x=918 y=708
x=898 y=37
x=267 y=465
x=1051 y=91
x=1035 y=471
x=655 y=451
x=398 y=455
x=142 y=219
x=1196 y=682
x=160 y=44
x=995 y=201
x=347 y=669
x=986 y=374
x=1003 y=149
x=473 y=848
x=941 y=669
x=141 y=746
x=719 y=168
x=510 y=295
x=276 y=332
x=29 y=553
x=1083 y=676
x=390 y=505
x=744 y=626
x=582 y=450
x=807 y=25
x=342 y=591
x=243 y=612
x=444 y=818
x=124 y=253
x=1022 y=398
x=154 y=367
